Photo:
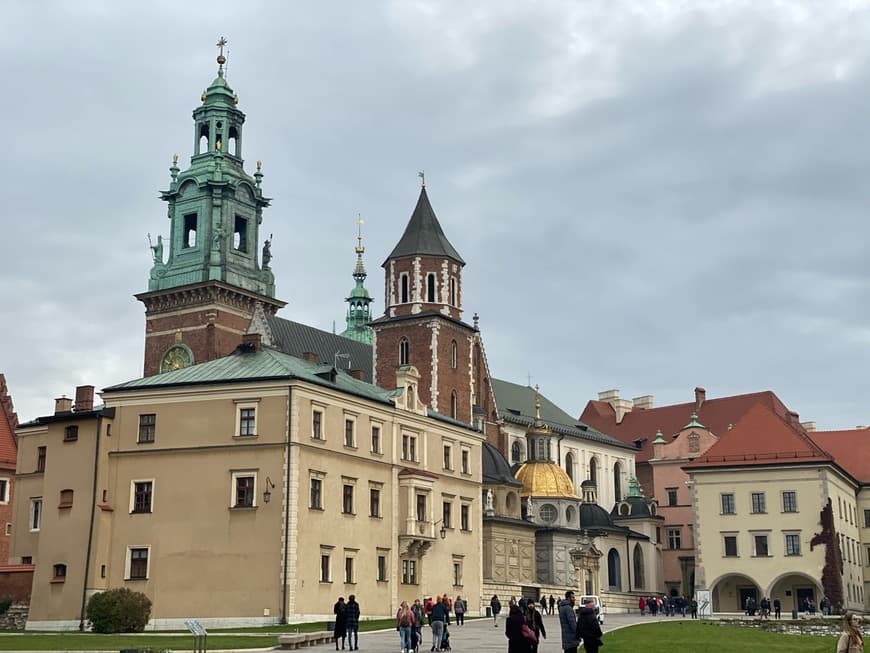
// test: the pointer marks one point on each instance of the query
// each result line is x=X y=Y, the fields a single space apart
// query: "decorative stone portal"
x=587 y=561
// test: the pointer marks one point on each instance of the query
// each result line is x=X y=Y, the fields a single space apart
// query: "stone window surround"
x=132 y=506
x=246 y=404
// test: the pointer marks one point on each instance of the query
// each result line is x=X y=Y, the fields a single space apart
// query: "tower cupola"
x=359 y=313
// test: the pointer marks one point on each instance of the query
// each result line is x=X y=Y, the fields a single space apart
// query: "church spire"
x=359 y=315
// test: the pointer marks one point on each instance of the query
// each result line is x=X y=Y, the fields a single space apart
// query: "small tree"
x=118 y=611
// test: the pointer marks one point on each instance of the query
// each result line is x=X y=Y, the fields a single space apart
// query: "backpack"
x=405 y=618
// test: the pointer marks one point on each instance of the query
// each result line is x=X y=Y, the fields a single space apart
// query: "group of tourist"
x=411 y=618
x=667 y=606
x=346 y=622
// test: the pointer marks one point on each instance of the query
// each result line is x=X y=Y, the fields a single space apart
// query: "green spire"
x=359 y=314
x=693 y=422
x=215 y=206
x=634 y=488
x=659 y=438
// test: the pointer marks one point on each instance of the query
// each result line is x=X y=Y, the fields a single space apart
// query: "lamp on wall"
x=443 y=531
x=267 y=493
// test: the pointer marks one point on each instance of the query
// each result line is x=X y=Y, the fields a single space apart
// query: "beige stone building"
x=251 y=489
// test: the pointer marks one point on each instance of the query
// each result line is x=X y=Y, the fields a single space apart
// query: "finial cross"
x=422 y=176
x=221 y=43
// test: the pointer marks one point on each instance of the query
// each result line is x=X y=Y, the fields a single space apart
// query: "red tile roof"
x=715 y=414
x=761 y=437
x=850 y=449
x=8 y=422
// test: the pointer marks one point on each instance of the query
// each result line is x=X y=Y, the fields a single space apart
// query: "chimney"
x=700 y=397
x=84 y=398
x=809 y=426
x=357 y=374
x=62 y=405
x=620 y=406
x=252 y=341
x=792 y=418
x=608 y=395
x=642 y=403
x=310 y=356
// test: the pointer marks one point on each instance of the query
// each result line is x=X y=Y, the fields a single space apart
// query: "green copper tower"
x=359 y=314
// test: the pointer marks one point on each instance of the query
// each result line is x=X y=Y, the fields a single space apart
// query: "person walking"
x=694 y=605
x=641 y=605
x=351 y=611
x=552 y=605
x=568 y=623
x=513 y=630
x=777 y=608
x=437 y=620
x=340 y=612
x=495 y=608
x=404 y=624
x=851 y=640
x=419 y=614
x=459 y=611
x=536 y=622
x=588 y=627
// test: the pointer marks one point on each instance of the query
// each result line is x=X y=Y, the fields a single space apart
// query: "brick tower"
x=201 y=299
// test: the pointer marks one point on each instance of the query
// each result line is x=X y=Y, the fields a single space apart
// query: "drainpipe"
x=628 y=560
x=92 y=518
x=283 y=618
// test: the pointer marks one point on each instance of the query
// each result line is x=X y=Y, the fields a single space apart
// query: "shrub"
x=4 y=605
x=118 y=611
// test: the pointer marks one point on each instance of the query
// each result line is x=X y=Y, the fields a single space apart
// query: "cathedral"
x=260 y=467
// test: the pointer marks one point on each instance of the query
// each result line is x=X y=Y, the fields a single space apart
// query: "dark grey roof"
x=593 y=516
x=495 y=467
x=638 y=508
x=296 y=339
x=424 y=235
x=516 y=404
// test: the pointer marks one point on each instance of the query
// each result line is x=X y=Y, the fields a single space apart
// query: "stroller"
x=445 y=639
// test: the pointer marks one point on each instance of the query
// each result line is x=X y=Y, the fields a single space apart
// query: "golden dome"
x=545 y=479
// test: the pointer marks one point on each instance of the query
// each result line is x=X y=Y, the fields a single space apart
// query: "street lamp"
x=443 y=531
x=267 y=493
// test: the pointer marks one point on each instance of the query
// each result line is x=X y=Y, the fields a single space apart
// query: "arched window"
x=639 y=581
x=617 y=481
x=403 y=351
x=202 y=142
x=403 y=288
x=614 y=573
x=569 y=515
x=411 y=403
x=510 y=501
x=430 y=288
x=593 y=470
x=569 y=465
x=516 y=452
x=454 y=354
x=454 y=407
x=453 y=291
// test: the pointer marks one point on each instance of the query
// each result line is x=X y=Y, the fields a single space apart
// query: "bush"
x=118 y=611
x=4 y=605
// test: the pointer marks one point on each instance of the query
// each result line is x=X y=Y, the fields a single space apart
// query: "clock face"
x=175 y=358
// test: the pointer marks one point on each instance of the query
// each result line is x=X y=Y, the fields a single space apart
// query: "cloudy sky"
x=649 y=195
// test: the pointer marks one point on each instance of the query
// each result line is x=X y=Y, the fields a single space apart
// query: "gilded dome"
x=545 y=479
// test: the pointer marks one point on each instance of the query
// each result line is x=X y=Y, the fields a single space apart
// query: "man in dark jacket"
x=351 y=611
x=438 y=619
x=568 y=622
x=588 y=628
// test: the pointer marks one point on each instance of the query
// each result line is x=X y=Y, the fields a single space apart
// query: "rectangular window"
x=672 y=496
x=409 y=572
x=728 y=504
x=789 y=501
x=244 y=490
x=376 y=439
x=147 y=426
x=446 y=510
x=347 y=499
x=448 y=457
x=142 y=491
x=240 y=234
x=758 y=502
x=348 y=571
x=138 y=562
x=66 y=499
x=792 y=544
x=409 y=447
x=8 y=529
x=457 y=574
x=71 y=433
x=35 y=513
x=760 y=542
x=40 y=459
x=382 y=568
x=349 y=438
x=466 y=466
x=730 y=546
x=421 y=507
x=324 y=568
x=59 y=573
x=247 y=421
x=317 y=425
x=315 y=499
x=4 y=490
x=866 y=518
x=675 y=536
x=189 y=236
x=465 y=517
x=374 y=502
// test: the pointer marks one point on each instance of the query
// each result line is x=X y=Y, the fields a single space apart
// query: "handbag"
x=529 y=634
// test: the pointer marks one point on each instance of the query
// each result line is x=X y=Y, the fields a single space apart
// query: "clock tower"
x=203 y=290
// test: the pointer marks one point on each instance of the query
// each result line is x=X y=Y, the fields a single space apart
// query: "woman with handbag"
x=517 y=631
x=536 y=625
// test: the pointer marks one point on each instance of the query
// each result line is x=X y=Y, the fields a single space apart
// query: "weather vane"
x=422 y=175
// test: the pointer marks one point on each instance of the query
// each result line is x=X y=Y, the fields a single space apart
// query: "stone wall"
x=15 y=617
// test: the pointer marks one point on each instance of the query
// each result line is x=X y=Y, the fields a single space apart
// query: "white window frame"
x=350 y=554
x=674 y=531
x=457 y=570
x=465 y=506
x=242 y=473
x=35 y=514
x=733 y=534
x=6 y=492
x=380 y=427
x=447 y=456
x=764 y=534
x=133 y=495
x=128 y=562
x=782 y=500
x=8 y=528
x=722 y=503
x=244 y=404
x=325 y=551
x=761 y=503
x=785 y=536
x=349 y=419
x=385 y=554
x=321 y=410
x=465 y=460
x=347 y=481
x=314 y=475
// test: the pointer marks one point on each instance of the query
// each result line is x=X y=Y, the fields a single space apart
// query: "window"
x=315 y=499
x=240 y=234
x=675 y=536
x=758 y=502
x=866 y=518
x=409 y=572
x=454 y=405
x=516 y=452
x=376 y=439
x=374 y=502
x=246 y=420
x=347 y=499
x=789 y=501
x=448 y=456
x=792 y=544
x=728 y=504
x=349 y=437
x=4 y=490
x=730 y=546
x=26 y=560
x=66 y=499
x=409 y=447
x=453 y=291
x=454 y=354
x=244 y=489
x=421 y=507
x=672 y=496
x=59 y=573
x=548 y=513
x=317 y=425
x=446 y=511
x=403 y=351
x=325 y=576
x=466 y=466
x=8 y=528
x=142 y=493
x=430 y=288
x=40 y=459
x=457 y=574
x=465 y=517
x=71 y=433
x=137 y=563
x=403 y=286
x=382 y=567
x=147 y=425
x=189 y=231
x=760 y=542
x=35 y=513
x=348 y=571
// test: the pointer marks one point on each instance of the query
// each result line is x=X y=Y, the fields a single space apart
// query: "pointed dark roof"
x=424 y=235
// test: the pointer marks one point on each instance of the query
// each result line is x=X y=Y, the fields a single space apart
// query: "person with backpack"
x=419 y=615
x=404 y=624
x=438 y=619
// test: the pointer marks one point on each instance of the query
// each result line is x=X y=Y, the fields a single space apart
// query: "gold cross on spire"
x=537 y=402
x=359 y=222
